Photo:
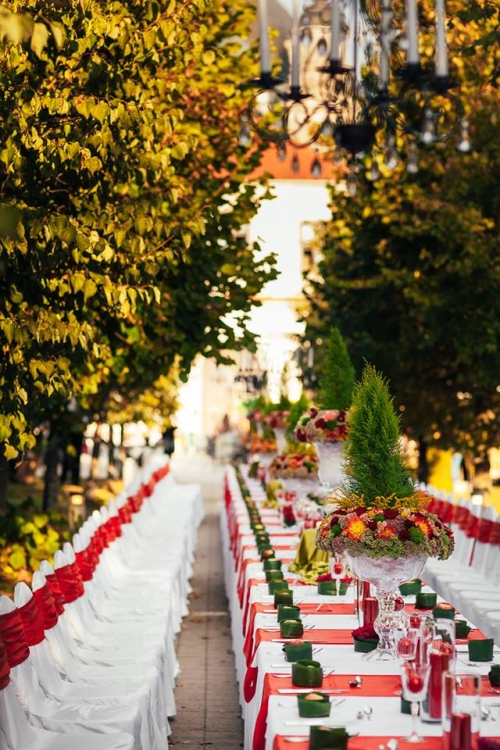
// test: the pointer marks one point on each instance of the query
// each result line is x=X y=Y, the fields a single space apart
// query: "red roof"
x=284 y=169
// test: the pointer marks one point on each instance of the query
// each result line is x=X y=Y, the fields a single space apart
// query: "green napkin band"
x=313 y=705
x=272 y=564
x=327 y=587
x=288 y=612
x=481 y=650
x=462 y=630
x=298 y=650
x=283 y=596
x=405 y=706
x=266 y=552
x=252 y=472
x=425 y=600
x=443 y=611
x=274 y=575
x=307 y=673
x=328 y=738
x=410 y=587
x=262 y=539
x=275 y=586
x=292 y=629
x=364 y=645
x=494 y=675
x=343 y=588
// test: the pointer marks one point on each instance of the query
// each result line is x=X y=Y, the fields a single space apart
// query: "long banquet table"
x=267 y=696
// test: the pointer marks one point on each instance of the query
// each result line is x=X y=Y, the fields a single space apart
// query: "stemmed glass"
x=407 y=640
x=337 y=568
x=415 y=681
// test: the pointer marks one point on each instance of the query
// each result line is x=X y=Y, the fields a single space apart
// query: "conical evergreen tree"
x=336 y=382
x=373 y=459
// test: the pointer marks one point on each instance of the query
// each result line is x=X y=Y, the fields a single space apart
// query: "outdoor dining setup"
x=371 y=622
x=87 y=655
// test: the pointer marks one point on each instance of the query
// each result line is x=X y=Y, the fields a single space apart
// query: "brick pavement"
x=208 y=712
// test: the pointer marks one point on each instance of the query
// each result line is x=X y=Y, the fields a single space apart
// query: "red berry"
x=415 y=684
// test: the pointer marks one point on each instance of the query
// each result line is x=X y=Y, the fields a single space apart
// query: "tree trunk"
x=4 y=479
x=423 y=461
x=51 y=487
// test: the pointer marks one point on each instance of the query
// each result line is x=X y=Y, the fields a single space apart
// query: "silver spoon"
x=368 y=710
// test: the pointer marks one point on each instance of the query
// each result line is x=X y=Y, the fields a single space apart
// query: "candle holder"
x=461 y=709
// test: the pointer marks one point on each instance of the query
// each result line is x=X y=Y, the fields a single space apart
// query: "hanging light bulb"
x=373 y=173
x=326 y=129
x=244 y=136
x=391 y=154
x=464 y=144
x=316 y=168
x=281 y=151
x=428 y=134
x=352 y=184
x=412 y=163
x=295 y=164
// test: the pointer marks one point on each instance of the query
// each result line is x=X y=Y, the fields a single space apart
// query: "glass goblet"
x=415 y=681
x=406 y=643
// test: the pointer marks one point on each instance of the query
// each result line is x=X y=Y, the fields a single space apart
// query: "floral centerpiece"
x=380 y=522
x=294 y=466
x=327 y=426
x=322 y=426
x=277 y=419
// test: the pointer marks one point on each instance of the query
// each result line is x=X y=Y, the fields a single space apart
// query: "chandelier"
x=355 y=71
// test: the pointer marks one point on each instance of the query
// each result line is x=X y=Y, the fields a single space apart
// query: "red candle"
x=370 y=610
x=460 y=732
x=439 y=662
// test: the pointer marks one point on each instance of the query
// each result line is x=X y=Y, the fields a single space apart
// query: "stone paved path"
x=208 y=713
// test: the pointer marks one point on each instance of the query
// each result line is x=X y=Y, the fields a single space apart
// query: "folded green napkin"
x=272 y=564
x=298 y=650
x=283 y=596
x=494 y=675
x=313 y=705
x=278 y=585
x=481 y=650
x=364 y=645
x=266 y=553
x=292 y=629
x=274 y=575
x=307 y=673
x=405 y=706
x=411 y=587
x=288 y=612
x=425 y=600
x=262 y=539
x=343 y=588
x=462 y=630
x=443 y=611
x=328 y=738
x=327 y=587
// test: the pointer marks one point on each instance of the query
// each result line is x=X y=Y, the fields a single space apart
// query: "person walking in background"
x=169 y=440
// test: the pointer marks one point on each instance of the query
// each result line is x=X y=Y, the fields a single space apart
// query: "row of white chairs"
x=91 y=664
x=470 y=578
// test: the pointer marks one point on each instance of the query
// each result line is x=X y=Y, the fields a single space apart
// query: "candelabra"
x=327 y=101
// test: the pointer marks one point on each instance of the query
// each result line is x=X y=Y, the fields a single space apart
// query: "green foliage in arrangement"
x=373 y=459
x=336 y=380
x=297 y=409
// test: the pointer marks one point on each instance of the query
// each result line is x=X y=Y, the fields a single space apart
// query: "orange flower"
x=385 y=532
x=355 y=528
x=424 y=526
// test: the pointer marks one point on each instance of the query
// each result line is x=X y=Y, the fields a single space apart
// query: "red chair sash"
x=124 y=514
x=485 y=530
x=495 y=534
x=56 y=592
x=116 y=525
x=12 y=635
x=46 y=606
x=71 y=583
x=32 y=622
x=85 y=567
x=471 y=526
x=461 y=516
x=4 y=667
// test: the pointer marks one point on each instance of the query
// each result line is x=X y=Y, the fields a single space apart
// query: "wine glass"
x=407 y=639
x=337 y=568
x=415 y=681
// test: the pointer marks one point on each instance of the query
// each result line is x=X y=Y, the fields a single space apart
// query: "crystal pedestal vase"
x=279 y=434
x=330 y=470
x=386 y=574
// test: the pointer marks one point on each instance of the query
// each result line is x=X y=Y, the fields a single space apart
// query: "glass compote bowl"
x=415 y=681
x=331 y=474
x=386 y=574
